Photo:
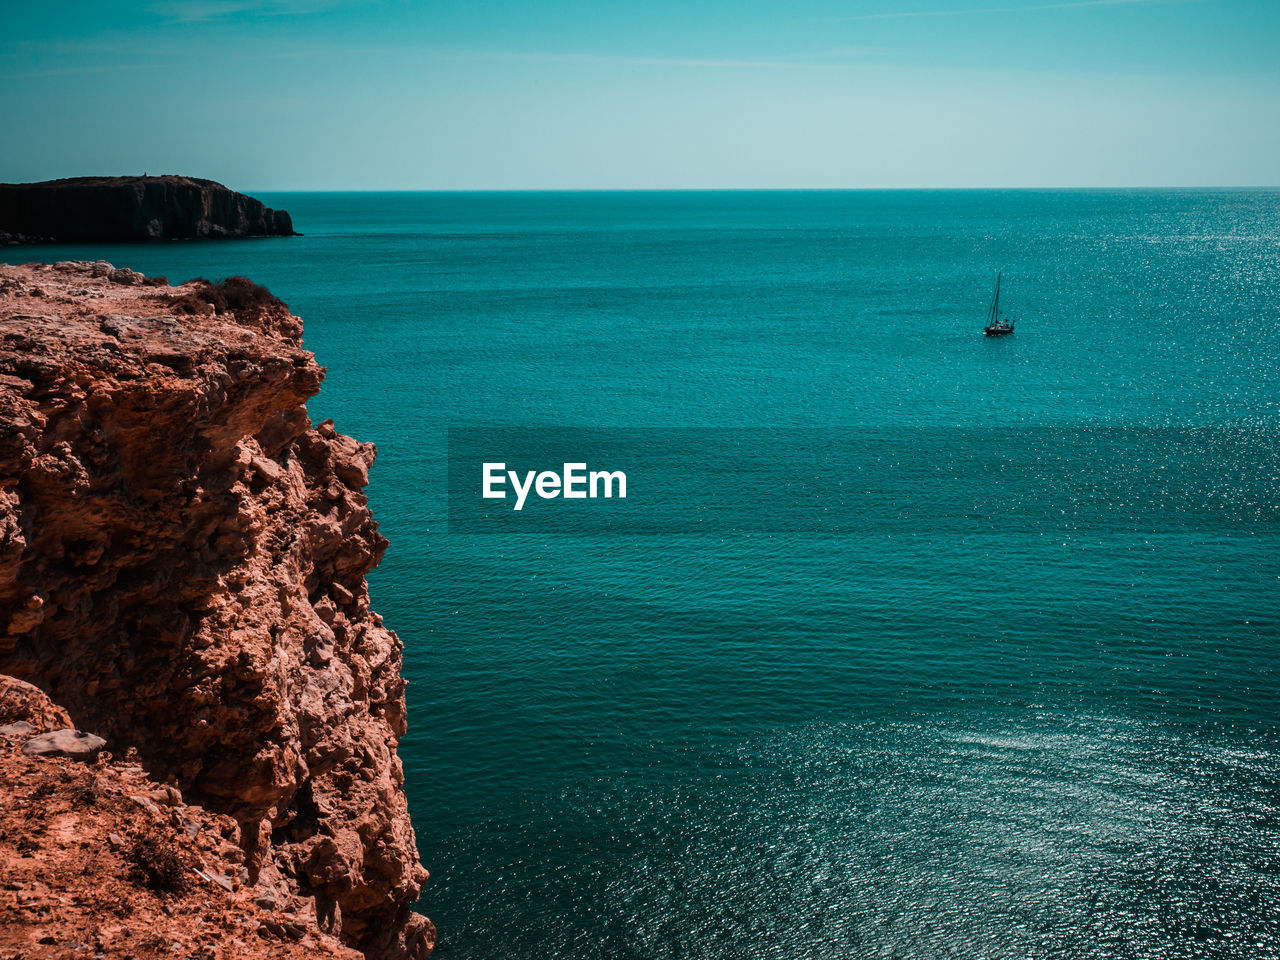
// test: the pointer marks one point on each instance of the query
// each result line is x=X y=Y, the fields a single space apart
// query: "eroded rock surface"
x=182 y=566
x=22 y=702
x=99 y=860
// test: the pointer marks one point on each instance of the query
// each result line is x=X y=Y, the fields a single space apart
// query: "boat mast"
x=994 y=313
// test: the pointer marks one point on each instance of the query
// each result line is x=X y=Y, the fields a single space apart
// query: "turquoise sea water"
x=915 y=740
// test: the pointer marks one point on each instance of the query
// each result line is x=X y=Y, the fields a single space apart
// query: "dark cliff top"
x=129 y=209
x=116 y=182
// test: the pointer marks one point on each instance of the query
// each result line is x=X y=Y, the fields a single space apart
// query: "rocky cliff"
x=100 y=860
x=182 y=567
x=114 y=209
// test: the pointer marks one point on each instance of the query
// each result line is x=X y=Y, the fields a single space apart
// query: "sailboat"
x=996 y=325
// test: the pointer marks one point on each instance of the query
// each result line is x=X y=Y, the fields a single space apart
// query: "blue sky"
x=563 y=94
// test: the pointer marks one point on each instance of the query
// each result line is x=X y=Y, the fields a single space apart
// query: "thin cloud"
x=1064 y=5
x=66 y=71
x=201 y=11
x=800 y=62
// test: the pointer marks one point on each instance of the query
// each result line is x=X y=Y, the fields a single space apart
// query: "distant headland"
x=131 y=209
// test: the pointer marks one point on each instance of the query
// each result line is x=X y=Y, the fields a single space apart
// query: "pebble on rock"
x=65 y=743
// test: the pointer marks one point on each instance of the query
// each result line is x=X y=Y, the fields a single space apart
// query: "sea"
x=1043 y=725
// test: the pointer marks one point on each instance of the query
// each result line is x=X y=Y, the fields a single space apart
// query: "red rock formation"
x=182 y=566
x=24 y=703
x=101 y=861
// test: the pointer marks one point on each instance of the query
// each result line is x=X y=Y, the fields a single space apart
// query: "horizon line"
x=917 y=189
